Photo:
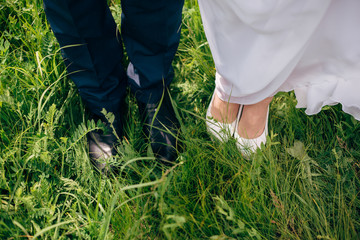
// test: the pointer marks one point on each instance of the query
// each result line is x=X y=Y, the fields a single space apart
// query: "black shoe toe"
x=161 y=128
x=102 y=145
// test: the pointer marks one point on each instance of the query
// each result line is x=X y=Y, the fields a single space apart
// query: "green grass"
x=304 y=184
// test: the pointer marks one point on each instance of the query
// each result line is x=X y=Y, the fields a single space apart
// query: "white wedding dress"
x=261 y=47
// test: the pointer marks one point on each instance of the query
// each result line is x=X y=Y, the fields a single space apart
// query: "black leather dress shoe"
x=161 y=128
x=102 y=144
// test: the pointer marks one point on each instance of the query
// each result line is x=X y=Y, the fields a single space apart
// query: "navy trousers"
x=92 y=48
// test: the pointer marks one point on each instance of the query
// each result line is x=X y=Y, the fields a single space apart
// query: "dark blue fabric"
x=151 y=34
x=93 y=51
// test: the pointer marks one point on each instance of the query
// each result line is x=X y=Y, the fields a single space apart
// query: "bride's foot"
x=221 y=117
x=251 y=129
x=253 y=119
x=222 y=111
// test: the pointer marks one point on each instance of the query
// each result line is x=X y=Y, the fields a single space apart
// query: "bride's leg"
x=253 y=119
x=223 y=111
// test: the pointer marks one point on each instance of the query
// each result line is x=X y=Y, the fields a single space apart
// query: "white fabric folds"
x=261 y=47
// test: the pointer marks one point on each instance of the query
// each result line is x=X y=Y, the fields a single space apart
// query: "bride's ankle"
x=251 y=126
x=253 y=119
x=222 y=111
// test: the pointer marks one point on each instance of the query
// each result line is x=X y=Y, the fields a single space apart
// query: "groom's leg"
x=151 y=34
x=92 y=50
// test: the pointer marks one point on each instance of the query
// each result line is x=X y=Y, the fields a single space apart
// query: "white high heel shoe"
x=248 y=146
x=222 y=131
